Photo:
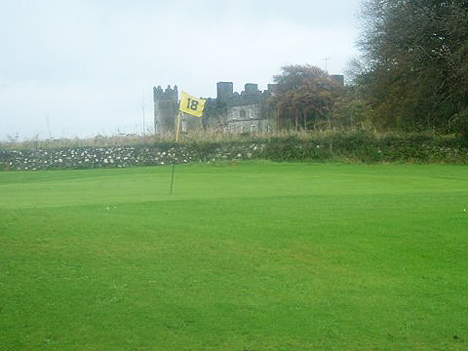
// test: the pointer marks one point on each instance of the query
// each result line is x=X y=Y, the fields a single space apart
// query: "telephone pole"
x=326 y=59
x=143 y=114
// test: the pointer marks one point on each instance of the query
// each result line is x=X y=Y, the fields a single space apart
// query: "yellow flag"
x=191 y=105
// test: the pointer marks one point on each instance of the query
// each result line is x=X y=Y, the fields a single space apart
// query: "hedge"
x=360 y=147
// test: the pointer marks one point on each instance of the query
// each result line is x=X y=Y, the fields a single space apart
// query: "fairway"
x=248 y=256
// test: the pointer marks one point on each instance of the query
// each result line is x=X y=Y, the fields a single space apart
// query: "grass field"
x=251 y=256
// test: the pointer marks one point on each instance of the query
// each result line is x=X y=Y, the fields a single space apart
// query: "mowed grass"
x=251 y=256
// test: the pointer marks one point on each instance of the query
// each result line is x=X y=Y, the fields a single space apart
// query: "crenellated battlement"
x=250 y=95
x=167 y=94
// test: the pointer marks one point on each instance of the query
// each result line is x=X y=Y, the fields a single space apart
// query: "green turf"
x=254 y=256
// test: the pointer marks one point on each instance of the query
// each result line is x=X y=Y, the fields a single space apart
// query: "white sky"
x=88 y=66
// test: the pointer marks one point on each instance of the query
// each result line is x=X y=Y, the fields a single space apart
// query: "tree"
x=350 y=111
x=304 y=97
x=416 y=72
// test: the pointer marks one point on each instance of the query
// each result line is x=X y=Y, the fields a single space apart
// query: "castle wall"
x=244 y=112
x=254 y=126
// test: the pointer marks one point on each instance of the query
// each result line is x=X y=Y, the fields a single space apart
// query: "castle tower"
x=165 y=108
x=225 y=90
x=251 y=88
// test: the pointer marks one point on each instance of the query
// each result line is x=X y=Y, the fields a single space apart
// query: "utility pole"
x=326 y=59
x=48 y=125
x=143 y=114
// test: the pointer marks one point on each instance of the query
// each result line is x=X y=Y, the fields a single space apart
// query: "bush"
x=460 y=123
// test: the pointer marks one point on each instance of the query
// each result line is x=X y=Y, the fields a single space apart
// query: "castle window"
x=242 y=113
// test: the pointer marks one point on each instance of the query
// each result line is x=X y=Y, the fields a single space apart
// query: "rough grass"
x=204 y=136
x=254 y=256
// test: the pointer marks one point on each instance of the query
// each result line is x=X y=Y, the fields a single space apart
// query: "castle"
x=229 y=111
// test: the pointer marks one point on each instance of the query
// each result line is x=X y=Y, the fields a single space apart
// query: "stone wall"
x=125 y=156
x=352 y=147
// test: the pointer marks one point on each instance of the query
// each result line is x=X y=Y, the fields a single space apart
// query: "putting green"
x=250 y=256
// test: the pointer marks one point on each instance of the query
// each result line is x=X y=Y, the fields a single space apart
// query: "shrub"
x=460 y=123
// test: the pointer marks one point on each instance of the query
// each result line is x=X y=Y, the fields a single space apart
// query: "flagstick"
x=177 y=136
x=172 y=179
x=177 y=140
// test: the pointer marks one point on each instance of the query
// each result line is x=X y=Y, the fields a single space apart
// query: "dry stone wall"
x=125 y=156
x=357 y=147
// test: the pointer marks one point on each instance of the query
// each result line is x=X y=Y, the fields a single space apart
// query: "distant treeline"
x=411 y=74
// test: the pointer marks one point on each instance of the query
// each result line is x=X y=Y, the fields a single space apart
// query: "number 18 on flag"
x=191 y=105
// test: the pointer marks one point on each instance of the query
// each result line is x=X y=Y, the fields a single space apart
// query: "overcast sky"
x=86 y=67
